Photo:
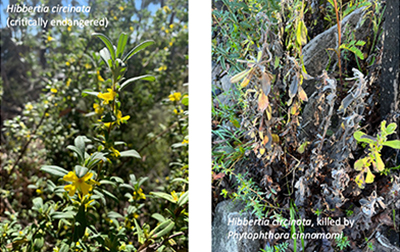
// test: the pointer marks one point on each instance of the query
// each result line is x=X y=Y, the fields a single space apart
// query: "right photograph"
x=305 y=116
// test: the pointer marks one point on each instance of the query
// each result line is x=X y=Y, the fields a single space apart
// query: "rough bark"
x=389 y=81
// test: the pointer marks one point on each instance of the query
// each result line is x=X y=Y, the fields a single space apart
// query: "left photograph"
x=94 y=126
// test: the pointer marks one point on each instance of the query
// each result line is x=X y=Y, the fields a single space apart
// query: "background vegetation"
x=293 y=146
x=48 y=80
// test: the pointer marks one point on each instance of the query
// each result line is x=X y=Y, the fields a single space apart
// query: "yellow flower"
x=49 y=38
x=171 y=43
x=185 y=27
x=54 y=90
x=107 y=97
x=162 y=68
x=139 y=194
x=115 y=18
x=166 y=31
x=115 y=152
x=29 y=107
x=166 y=9
x=67 y=63
x=77 y=183
x=162 y=28
x=98 y=109
x=99 y=76
x=131 y=28
x=121 y=8
x=68 y=82
x=47 y=114
x=178 y=112
x=175 y=96
x=122 y=119
x=38 y=191
x=88 y=66
x=185 y=141
x=171 y=26
x=175 y=195
x=69 y=28
x=108 y=125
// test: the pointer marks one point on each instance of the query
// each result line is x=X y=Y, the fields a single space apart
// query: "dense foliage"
x=285 y=141
x=95 y=131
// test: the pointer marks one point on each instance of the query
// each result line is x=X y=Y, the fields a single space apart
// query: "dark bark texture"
x=389 y=81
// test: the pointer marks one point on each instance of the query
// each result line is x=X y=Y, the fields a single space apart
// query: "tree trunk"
x=389 y=81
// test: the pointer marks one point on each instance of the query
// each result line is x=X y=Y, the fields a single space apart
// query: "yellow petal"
x=87 y=176
x=71 y=189
x=70 y=177
x=85 y=188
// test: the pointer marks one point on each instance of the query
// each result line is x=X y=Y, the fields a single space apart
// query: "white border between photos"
x=200 y=125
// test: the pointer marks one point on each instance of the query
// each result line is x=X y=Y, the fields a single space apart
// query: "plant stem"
x=339 y=42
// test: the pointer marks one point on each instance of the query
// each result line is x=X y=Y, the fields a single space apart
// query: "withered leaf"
x=265 y=140
x=302 y=94
x=360 y=180
x=266 y=83
x=293 y=87
x=262 y=102
x=240 y=76
x=218 y=176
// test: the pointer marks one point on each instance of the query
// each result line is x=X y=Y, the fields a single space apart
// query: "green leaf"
x=106 y=56
x=130 y=153
x=395 y=144
x=87 y=92
x=180 y=180
x=107 y=42
x=123 y=39
x=139 y=232
x=370 y=177
x=37 y=203
x=80 y=144
x=361 y=163
x=379 y=165
x=38 y=243
x=124 y=185
x=391 y=128
x=131 y=80
x=78 y=152
x=114 y=215
x=63 y=215
x=137 y=49
x=107 y=193
x=239 y=76
x=109 y=117
x=94 y=159
x=107 y=182
x=360 y=43
x=64 y=248
x=158 y=217
x=54 y=170
x=80 y=223
x=302 y=147
x=185 y=101
x=80 y=171
x=301 y=33
x=183 y=199
x=362 y=137
x=163 y=229
x=164 y=196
